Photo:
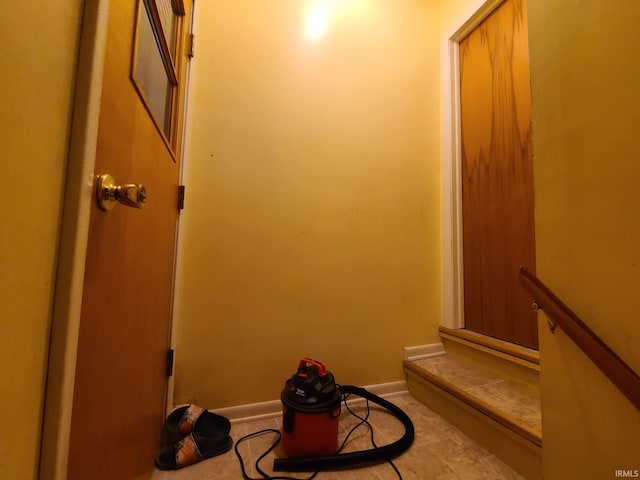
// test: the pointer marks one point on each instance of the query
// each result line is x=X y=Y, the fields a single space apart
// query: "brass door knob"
x=108 y=193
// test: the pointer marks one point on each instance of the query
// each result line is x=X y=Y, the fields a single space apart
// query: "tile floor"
x=516 y=399
x=439 y=451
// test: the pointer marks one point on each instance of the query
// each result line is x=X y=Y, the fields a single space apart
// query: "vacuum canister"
x=310 y=408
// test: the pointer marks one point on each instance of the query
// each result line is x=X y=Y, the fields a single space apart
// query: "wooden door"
x=497 y=175
x=121 y=382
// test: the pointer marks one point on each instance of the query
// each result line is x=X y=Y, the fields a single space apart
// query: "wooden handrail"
x=620 y=374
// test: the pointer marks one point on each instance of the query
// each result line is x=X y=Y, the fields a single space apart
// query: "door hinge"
x=170 y=362
x=190 y=45
x=181 y=197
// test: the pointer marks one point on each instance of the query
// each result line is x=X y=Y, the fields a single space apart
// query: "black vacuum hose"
x=372 y=455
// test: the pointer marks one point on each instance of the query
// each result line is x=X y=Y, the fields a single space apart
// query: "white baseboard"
x=251 y=411
x=419 y=352
x=273 y=408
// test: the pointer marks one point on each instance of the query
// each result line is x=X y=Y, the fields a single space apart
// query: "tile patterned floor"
x=439 y=452
x=515 y=399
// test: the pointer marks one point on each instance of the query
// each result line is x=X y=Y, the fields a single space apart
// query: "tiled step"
x=493 y=397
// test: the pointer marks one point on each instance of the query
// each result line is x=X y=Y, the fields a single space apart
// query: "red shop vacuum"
x=310 y=411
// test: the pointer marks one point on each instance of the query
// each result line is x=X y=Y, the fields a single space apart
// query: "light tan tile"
x=421 y=462
x=498 y=469
x=439 y=452
x=429 y=429
x=516 y=400
x=222 y=467
x=459 y=372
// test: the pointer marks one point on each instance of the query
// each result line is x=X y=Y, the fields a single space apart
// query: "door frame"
x=452 y=254
x=74 y=235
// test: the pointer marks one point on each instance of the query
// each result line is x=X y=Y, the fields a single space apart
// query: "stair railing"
x=620 y=374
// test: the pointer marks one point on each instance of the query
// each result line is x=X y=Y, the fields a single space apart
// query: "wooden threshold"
x=502 y=346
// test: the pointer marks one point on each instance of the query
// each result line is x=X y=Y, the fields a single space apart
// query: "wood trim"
x=78 y=200
x=182 y=70
x=474 y=402
x=141 y=12
x=176 y=69
x=475 y=19
x=178 y=6
x=508 y=348
x=167 y=57
x=616 y=370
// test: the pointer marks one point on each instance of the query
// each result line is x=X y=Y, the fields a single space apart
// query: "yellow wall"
x=37 y=63
x=312 y=213
x=585 y=67
x=453 y=13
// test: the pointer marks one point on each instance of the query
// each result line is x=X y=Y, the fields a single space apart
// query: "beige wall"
x=585 y=67
x=311 y=225
x=453 y=13
x=37 y=63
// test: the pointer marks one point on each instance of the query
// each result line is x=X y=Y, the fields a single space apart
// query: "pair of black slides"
x=192 y=434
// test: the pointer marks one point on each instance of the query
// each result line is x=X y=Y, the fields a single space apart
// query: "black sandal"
x=192 y=449
x=194 y=419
